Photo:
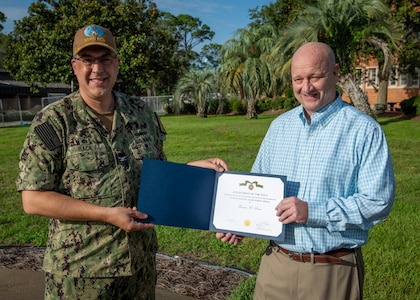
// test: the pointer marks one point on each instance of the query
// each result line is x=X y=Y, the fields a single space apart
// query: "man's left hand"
x=230 y=238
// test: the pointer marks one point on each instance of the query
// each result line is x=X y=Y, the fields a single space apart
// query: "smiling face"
x=97 y=81
x=314 y=76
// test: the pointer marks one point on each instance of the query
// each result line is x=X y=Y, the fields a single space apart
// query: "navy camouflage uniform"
x=69 y=150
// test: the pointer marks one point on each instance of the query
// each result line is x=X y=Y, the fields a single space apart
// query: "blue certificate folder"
x=180 y=195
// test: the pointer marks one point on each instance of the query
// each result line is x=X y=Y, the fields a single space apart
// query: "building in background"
x=401 y=85
x=12 y=92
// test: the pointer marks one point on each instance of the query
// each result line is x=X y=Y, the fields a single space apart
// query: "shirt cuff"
x=317 y=215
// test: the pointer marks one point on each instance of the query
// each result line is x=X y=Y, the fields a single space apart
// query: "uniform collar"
x=124 y=107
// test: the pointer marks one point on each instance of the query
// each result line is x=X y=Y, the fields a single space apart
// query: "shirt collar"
x=323 y=116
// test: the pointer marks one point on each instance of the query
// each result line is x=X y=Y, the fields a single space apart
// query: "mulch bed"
x=178 y=275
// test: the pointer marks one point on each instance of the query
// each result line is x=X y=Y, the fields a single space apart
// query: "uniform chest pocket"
x=141 y=148
x=87 y=158
x=88 y=174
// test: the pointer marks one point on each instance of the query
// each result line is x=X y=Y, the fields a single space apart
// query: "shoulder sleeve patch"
x=48 y=136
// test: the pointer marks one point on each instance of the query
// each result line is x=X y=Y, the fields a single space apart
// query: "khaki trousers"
x=279 y=278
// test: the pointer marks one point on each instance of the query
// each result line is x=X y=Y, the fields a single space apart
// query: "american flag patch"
x=48 y=136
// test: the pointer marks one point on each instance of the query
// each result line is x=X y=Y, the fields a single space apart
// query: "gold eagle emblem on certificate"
x=251 y=185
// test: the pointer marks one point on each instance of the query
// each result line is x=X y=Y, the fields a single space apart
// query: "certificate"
x=180 y=195
x=245 y=204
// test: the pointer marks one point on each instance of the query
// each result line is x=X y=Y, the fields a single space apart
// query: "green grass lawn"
x=391 y=256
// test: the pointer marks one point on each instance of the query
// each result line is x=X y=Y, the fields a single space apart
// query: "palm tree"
x=199 y=86
x=385 y=71
x=244 y=67
x=349 y=27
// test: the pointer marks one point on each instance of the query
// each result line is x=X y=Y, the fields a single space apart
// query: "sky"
x=223 y=17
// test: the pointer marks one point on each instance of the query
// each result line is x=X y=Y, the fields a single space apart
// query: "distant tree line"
x=158 y=50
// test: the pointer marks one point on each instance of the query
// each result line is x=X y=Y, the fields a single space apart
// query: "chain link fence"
x=21 y=110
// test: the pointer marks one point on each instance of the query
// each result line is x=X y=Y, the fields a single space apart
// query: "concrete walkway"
x=26 y=284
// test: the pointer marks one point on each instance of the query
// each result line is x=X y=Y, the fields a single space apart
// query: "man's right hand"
x=127 y=219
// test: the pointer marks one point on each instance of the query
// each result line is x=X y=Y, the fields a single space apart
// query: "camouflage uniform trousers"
x=139 y=286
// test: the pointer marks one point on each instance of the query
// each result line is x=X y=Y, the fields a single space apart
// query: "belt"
x=331 y=257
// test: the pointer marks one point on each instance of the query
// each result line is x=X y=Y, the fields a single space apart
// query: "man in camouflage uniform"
x=80 y=166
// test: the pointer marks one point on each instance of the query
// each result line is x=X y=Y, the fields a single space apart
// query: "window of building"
x=403 y=79
x=359 y=76
x=372 y=77
x=415 y=78
x=393 y=77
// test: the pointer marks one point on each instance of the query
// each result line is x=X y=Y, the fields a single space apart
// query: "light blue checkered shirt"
x=340 y=164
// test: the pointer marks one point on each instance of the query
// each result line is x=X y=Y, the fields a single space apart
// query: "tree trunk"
x=359 y=99
x=201 y=114
x=251 y=112
x=150 y=91
x=220 y=106
x=201 y=111
x=382 y=100
x=383 y=92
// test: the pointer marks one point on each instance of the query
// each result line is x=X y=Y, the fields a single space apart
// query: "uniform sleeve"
x=40 y=159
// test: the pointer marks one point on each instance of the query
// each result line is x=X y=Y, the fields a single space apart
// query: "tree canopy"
x=407 y=13
x=197 y=86
x=189 y=32
x=3 y=37
x=155 y=47
x=2 y=20
x=277 y=14
x=209 y=57
x=245 y=69
x=353 y=29
x=41 y=43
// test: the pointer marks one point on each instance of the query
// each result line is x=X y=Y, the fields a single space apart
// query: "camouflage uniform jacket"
x=68 y=150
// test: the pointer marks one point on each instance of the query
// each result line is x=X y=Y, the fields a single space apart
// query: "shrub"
x=264 y=104
x=189 y=108
x=277 y=103
x=287 y=101
x=169 y=108
x=288 y=93
x=213 y=105
x=236 y=105
x=290 y=103
x=411 y=106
